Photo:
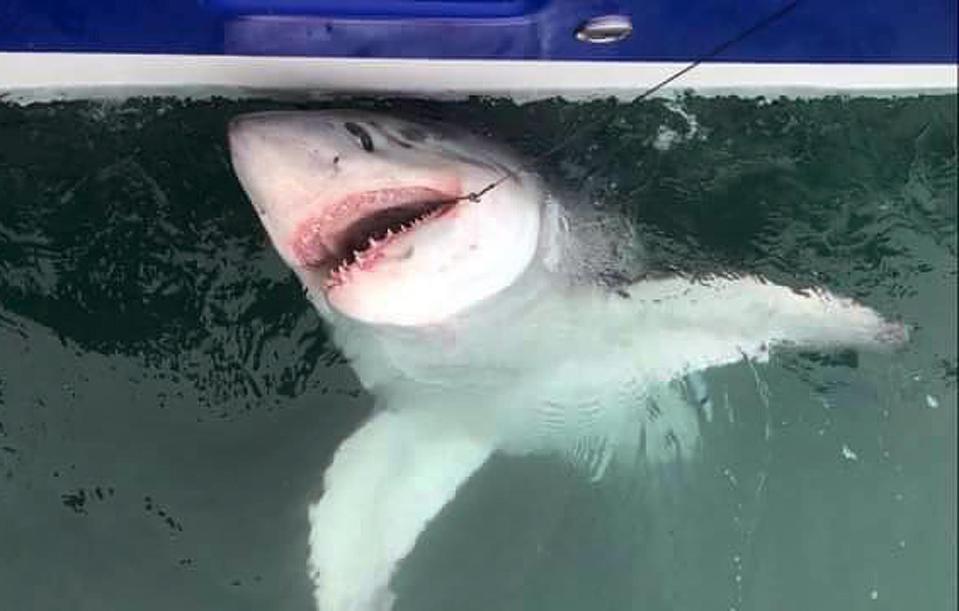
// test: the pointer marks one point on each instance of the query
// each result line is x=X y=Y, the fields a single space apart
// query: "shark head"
x=372 y=212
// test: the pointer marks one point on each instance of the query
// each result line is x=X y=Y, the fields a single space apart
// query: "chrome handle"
x=604 y=29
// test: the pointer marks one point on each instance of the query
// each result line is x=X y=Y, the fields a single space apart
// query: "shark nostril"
x=366 y=141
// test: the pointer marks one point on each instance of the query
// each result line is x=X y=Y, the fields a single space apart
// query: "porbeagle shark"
x=458 y=315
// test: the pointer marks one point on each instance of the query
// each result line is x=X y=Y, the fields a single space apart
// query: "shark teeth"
x=338 y=275
x=366 y=254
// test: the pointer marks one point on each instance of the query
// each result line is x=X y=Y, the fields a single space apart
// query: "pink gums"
x=318 y=238
x=376 y=251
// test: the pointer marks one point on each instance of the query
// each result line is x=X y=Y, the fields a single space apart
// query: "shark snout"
x=257 y=131
x=247 y=134
x=275 y=128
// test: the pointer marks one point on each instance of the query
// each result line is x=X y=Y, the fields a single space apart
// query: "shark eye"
x=366 y=141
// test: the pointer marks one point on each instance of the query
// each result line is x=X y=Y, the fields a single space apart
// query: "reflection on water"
x=168 y=398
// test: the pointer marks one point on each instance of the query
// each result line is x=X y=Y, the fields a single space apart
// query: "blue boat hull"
x=817 y=31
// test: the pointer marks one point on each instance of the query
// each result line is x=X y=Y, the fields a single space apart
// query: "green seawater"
x=169 y=400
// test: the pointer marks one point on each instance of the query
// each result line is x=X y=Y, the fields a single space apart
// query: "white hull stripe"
x=38 y=76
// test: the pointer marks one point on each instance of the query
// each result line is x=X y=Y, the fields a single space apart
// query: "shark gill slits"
x=360 y=133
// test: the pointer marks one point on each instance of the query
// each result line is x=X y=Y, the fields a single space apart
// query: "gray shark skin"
x=462 y=319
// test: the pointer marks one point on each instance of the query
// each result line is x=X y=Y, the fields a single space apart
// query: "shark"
x=451 y=279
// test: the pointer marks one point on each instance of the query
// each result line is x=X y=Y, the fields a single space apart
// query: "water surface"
x=168 y=399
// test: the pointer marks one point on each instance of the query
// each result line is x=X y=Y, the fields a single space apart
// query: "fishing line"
x=759 y=25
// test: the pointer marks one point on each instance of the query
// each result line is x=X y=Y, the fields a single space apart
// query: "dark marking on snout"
x=393 y=139
x=389 y=137
x=360 y=133
x=413 y=133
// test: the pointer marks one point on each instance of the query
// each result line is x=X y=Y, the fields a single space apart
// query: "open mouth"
x=352 y=233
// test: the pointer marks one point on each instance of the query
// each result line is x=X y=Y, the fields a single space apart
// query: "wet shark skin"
x=494 y=353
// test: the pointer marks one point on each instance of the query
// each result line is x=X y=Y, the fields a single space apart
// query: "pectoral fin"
x=386 y=482
x=691 y=325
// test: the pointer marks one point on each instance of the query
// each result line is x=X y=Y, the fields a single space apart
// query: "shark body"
x=457 y=315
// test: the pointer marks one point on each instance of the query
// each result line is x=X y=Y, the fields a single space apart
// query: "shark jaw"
x=370 y=212
x=366 y=227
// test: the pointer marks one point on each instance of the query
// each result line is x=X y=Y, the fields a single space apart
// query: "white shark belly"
x=594 y=362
